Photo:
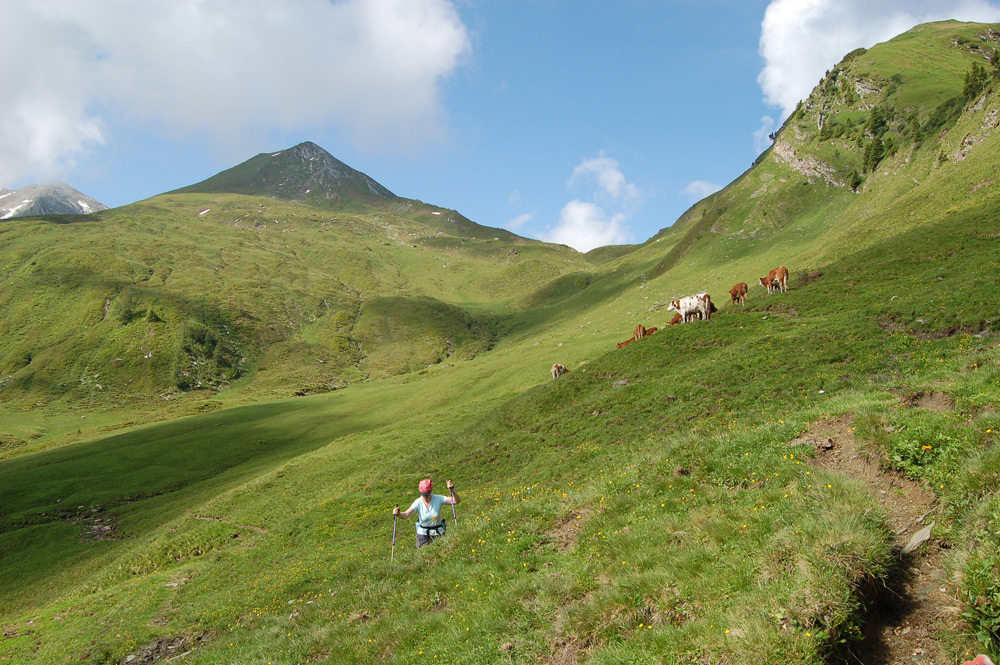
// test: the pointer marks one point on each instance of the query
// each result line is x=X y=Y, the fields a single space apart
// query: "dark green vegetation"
x=650 y=506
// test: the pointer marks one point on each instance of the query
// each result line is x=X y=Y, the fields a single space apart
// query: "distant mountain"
x=305 y=173
x=57 y=198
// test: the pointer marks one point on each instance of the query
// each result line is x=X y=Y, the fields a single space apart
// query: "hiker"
x=428 y=506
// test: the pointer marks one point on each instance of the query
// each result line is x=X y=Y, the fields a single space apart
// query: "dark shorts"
x=424 y=540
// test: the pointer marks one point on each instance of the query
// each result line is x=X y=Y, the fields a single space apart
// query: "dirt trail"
x=918 y=604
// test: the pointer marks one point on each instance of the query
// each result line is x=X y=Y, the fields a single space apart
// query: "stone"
x=919 y=538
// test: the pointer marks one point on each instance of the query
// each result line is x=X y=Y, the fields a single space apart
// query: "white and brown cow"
x=777 y=278
x=739 y=293
x=691 y=306
x=558 y=370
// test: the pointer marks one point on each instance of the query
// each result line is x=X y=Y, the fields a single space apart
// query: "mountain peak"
x=56 y=198
x=305 y=173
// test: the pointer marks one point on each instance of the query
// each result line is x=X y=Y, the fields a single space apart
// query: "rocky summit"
x=57 y=198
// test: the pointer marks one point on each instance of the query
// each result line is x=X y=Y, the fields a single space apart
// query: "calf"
x=739 y=293
x=776 y=278
x=558 y=370
x=639 y=332
x=674 y=321
x=622 y=345
x=650 y=331
x=690 y=306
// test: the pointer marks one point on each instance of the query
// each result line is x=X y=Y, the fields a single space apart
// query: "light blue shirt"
x=428 y=515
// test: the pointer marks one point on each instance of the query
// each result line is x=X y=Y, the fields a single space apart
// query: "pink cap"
x=425 y=486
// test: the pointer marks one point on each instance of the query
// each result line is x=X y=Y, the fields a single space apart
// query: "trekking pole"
x=392 y=553
x=454 y=517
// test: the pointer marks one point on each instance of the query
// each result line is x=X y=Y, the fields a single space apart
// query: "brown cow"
x=739 y=293
x=621 y=345
x=639 y=332
x=677 y=319
x=650 y=331
x=776 y=278
x=558 y=370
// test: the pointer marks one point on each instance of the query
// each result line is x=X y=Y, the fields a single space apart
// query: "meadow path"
x=918 y=603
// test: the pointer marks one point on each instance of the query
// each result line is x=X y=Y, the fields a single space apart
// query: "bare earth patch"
x=906 y=618
x=165 y=649
x=567 y=531
x=566 y=651
x=931 y=401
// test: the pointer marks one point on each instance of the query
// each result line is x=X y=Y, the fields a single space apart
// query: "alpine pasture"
x=228 y=498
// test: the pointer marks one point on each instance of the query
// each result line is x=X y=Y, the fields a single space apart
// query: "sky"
x=582 y=122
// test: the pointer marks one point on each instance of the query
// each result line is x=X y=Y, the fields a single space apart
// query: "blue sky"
x=581 y=122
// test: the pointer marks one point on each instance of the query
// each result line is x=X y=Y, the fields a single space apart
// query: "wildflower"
x=928 y=447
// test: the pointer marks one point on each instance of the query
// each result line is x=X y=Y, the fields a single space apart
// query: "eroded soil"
x=906 y=618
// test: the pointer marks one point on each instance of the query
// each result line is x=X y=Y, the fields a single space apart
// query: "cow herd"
x=701 y=306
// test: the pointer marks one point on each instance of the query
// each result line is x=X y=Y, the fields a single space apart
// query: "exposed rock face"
x=319 y=169
x=57 y=198
x=991 y=121
x=866 y=88
x=809 y=166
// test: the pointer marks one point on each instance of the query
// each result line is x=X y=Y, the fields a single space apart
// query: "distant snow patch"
x=7 y=194
x=83 y=204
x=13 y=211
x=275 y=154
x=203 y=211
x=435 y=213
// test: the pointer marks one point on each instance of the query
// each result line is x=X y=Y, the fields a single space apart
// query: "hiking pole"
x=454 y=517
x=392 y=553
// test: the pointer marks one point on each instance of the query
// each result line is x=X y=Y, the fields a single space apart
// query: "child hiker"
x=427 y=506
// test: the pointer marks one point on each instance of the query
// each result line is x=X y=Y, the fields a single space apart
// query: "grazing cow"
x=639 y=332
x=558 y=370
x=622 y=345
x=739 y=293
x=650 y=331
x=674 y=321
x=776 y=278
x=690 y=306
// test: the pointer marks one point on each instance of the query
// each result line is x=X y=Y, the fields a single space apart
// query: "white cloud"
x=518 y=222
x=227 y=69
x=584 y=226
x=801 y=39
x=606 y=174
x=699 y=189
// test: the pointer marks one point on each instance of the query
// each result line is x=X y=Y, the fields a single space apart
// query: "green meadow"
x=211 y=401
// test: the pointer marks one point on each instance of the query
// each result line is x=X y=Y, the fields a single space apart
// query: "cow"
x=739 y=293
x=690 y=306
x=639 y=332
x=674 y=321
x=622 y=345
x=776 y=278
x=650 y=331
x=558 y=370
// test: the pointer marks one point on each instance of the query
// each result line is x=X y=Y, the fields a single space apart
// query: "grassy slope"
x=576 y=532
x=115 y=317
